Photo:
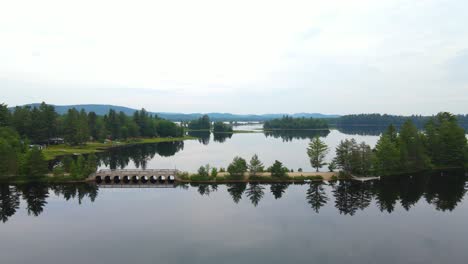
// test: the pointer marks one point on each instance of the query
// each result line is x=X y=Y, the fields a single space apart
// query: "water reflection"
x=290 y=135
x=444 y=192
x=255 y=192
x=35 y=197
x=362 y=130
x=236 y=190
x=119 y=158
x=9 y=201
x=203 y=136
x=221 y=137
x=316 y=196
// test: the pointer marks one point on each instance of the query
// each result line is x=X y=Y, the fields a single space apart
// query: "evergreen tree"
x=344 y=155
x=71 y=127
x=413 y=155
x=387 y=156
x=446 y=141
x=93 y=125
x=35 y=164
x=5 y=115
x=255 y=165
x=278 y=170
x=317 y=151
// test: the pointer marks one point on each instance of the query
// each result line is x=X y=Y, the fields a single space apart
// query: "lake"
x=218 y=150
x=419 y=219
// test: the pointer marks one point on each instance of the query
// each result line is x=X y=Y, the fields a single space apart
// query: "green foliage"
x=204 y=171
x=413 y=156
x=200 y=123
x=255 y=165
x=344 y=154
x=354 y=158
x=288 y=122
x=183 y=175
x=237 y=167
x=387 y=156
x=5 y=115
x=41 y=123
x=58 y=171
x=214 y=172
x=222 y=169
x=278 y=170
x=445 y=141
x=11 y=150
x=222 y=127
x=332 y=166
x=317 y=151
x=34 y=163
x=67 y=163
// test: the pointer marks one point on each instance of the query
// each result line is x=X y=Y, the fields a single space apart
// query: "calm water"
x=219 y=149
x=400 y=220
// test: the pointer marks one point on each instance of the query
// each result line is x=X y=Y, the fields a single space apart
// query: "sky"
x=335 y=57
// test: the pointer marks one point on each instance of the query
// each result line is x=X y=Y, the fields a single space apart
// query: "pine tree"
x=35 y=164
x=317 y=151
x=387 y=156
x=255 y=165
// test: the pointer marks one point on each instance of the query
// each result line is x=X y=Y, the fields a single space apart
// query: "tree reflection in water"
x=203 y=136
x=119 y=158
x=9 y=201
x=316 y=196
x=444 y=192
x=35 y=196
x=221 y=137
x=255 y=192
x=290 y=135
x=278 y=189
x=236 y=190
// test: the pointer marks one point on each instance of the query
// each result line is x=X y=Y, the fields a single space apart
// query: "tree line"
x=442 y=144
x=288 y=122
x=385 y=120
x=40 y=124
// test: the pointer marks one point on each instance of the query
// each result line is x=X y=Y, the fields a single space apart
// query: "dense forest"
x=441 y=145
x=23 y=131
x=288 y=122
x=386 y=120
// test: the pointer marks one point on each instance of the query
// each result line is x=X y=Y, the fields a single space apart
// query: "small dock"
x=364 y=179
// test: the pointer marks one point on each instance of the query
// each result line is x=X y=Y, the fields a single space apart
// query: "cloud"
x=243 y=56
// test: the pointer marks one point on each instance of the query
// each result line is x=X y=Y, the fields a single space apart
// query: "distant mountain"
x=104 y=109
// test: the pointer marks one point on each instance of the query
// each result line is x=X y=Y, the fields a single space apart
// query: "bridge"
x=155 y=177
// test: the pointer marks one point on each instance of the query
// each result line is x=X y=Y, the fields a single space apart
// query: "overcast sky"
x=398 y=57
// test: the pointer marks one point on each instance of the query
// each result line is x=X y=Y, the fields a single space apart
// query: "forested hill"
x=101 y=109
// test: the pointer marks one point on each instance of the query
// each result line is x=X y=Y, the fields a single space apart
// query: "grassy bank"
x=55 y=151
